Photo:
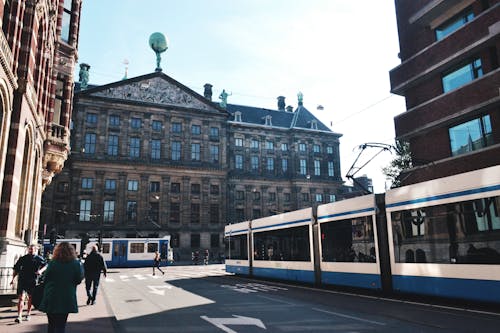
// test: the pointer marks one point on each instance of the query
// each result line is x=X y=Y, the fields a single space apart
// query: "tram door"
x=119 y=253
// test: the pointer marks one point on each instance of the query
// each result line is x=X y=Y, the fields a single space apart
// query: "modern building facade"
x=449 y=75
x=151 y=157
x=38 y=50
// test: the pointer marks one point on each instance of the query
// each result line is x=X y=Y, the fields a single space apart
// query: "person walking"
x=94 y=265
x=27 y=268
x=64 y=272
x=157 y=262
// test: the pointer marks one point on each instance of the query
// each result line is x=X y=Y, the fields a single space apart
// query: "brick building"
x=38 y=46
x=151 y=157
x=450 y=77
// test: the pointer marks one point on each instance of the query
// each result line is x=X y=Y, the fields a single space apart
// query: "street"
x=206 y=299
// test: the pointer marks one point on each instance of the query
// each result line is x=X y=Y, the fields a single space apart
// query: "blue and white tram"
x=238 y=236
x=125 y=252
x=445 y=236
x=348 y=243
x=282 y=246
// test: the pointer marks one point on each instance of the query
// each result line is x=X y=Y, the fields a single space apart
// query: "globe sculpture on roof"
x=158 y=42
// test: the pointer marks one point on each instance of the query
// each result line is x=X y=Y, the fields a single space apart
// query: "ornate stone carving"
x=155 y=90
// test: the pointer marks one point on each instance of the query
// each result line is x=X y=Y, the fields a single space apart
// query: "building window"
x=254 y=163
x=109 y=211
x=269 y=145
x=287 y=197
x=195 y=241
x=305 y=197
x=214 y=154
x=85 y=207
x=87 y=183
x=254 y=144
x=154 y=187
x=214 y=189
x=114 y=120
x=270 y=164
x=175 y=188
x=472 y=135
x=284 y=165
x=214 y=240
x=460 y=76
x=332 y=198
x=90 y=141
x=59 y=93
x=314 y=124
x=195 y=152
x=63 y=187
x=303 y=167
x=214 y=214
x=195 y=213
x=133 y=185
x=135 y=123
x=238 y=161
x=176 y=150
x=302 y=147
x=195 y=188
x=174 y=240
x=135 y=147
x=110 y=184
x=176 y=128
x=240 y=195
x=113 y=145
x=237 y=117
x=256 y=213
x=214 y=132
x=156 y=125
x=319 y=197
x=329 y=150
x=284 y=147
x=175 y=212
x=317 y=167
x=91 y=119
x=269 y=121
x=195 y=129
x=454 y=23
x=316 y=148
x=66 y=21
x=272 y=196
x=132 y=211
x=256 y=196
x=155 y=149
x=238 y=142
x=331 y=172
x=240 y=214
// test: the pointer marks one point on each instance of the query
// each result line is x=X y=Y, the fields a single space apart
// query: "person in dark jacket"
x=27 y=268
x=64 y=272
x=94 y=265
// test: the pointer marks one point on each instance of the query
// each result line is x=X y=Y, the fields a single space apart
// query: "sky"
x=338 y=53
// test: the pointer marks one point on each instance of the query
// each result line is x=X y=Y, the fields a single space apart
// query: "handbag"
x=36 y=297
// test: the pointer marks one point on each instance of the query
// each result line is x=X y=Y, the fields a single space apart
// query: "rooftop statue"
x=223 y=97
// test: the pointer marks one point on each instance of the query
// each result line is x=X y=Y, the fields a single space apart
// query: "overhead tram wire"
x=364 y=109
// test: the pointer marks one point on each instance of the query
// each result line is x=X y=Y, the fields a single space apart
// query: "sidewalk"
x=90 y=318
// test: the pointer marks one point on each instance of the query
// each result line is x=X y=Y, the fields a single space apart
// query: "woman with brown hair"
x=63 y=274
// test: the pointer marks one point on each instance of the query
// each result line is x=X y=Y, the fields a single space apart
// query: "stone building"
x=450 y=77
x=151 y=157
x=38 y=50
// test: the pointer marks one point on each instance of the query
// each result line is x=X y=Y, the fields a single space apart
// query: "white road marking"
x=237 y=320
x=350 y=317
x=159 y=290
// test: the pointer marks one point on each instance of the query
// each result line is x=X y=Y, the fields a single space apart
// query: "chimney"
x=208 y=91
x=281 y=103
x=289 y=108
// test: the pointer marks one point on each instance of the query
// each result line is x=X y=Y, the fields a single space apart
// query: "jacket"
x=94 y=264
x=61 y=279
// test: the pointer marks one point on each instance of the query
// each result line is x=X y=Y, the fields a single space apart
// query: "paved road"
x=205 y=299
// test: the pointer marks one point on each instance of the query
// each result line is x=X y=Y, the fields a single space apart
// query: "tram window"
x=350 y=240
x=466 y=232
x=136 y=247
x=152 y=247
x=291 y=244
x=106 y=247
x=236 y=247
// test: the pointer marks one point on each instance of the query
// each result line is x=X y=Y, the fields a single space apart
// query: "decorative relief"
x=155 y=90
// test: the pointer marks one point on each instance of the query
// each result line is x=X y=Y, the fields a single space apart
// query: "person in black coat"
x=94 y=265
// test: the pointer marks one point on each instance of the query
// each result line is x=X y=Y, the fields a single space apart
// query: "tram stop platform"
x=90 y=318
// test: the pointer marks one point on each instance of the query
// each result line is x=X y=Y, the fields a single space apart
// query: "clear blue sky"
x=338 y=53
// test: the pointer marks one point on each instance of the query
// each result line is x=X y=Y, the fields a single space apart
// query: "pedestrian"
x=157 y=262
x=27 y=268
x=64 y=272
x=94 y=265
x=206 y=257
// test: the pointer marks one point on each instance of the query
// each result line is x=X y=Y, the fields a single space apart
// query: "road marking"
x=124 y=277
x=139 y=277
x=277 y=300
x=238 y=320
x=108 y=279
x=158 y=289
x=350 y=317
